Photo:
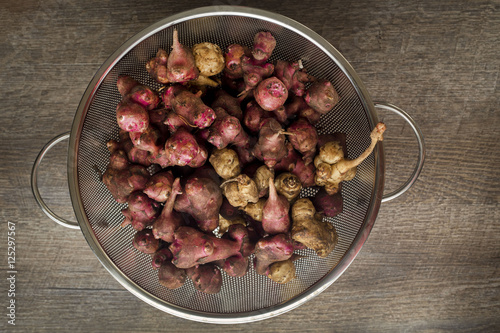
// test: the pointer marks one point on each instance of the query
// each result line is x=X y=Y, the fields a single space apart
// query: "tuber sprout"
x=169 y=220
x=331 y=175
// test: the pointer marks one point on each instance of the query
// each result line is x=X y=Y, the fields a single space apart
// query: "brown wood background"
x=432 y=261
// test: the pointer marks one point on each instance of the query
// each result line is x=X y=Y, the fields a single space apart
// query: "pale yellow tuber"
x=261 y=179
x=288 y=185
x=240 y=191
x=331 y=166
x=282 y=271
x=254 y=210
x=209 y=58
x=309 y=229
x=226 y=163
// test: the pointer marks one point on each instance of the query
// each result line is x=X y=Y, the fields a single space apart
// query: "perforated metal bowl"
x=252 y=297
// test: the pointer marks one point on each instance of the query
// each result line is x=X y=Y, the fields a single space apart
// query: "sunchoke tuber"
x=272 y=249
x=288 y=185
x=309 y=229
x=169 y=220
x=275 y=217
x=226 y=163
x=331 y=175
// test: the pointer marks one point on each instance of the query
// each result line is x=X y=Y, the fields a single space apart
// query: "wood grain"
x=432 y=261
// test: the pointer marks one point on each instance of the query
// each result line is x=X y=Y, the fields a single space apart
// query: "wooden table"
x=432 y=261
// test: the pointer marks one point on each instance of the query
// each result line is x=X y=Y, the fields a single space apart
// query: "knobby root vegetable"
x=337 y=136
x=224 y=223
x=122 y=178
x=232 y=57
x=280 y=114
x=206 y=278
x=173 y=122
x=157 y=67
x=292 y=76
x=271 y=93
x=229 y=103
x=288 y=162
x=309 y=229
x=298 y=107
x=181 y=65
x=226 y=163
x=254 y=210
x=270 y=147
x=275 y=217
x=253 y=74
x=304 y=138
x=145 y=242
x=226 y=130
x=208 y=58
x=321 y=96
x=125 y=83
x=263 y=46
x=189 y=106
x=254 y=116
x=192 y=247
x=169 y=220
x=148 y=140
x=202 y=199
x=159 y=186
x=141 y=211
x=171 y=277
x=133 y=154
x=328 y=205
x=236 y=266
x=288 y=185
x=331 y=175
x=272 y=249
x=306 y=173
x=282 y=271
x=244 y=236
x=182 y=149
x=227 y=211
x=157 y=119
x=240 y=190
x=160 y=256
x=131 y=116
x=144 y=96
x=261 y=178
x=245 y=151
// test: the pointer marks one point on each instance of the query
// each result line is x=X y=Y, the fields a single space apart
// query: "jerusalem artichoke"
x=331 y=175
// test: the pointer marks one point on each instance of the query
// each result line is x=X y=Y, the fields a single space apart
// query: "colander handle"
x=421 y=150
x=34 y=184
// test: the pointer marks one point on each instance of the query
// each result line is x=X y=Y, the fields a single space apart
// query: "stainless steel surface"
x=252 y=297
x=34 y=184
x=421 y=150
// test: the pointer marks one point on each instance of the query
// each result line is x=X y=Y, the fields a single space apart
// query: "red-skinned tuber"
x=206 y=278
x=169 y=220
x=275 y=217
x=141 y=211
x=272 y=249
x=145 y=242
x=202 y=199
x=181 y=65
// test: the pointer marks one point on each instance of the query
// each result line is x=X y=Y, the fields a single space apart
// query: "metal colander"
x=252 y=297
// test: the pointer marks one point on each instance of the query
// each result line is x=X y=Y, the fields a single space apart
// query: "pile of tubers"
x=211 y=166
